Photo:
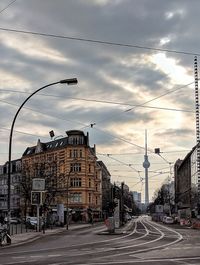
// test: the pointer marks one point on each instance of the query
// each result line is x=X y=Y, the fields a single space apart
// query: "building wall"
x=186 y=182
x=106 y=186
x=194 y=179
x=69 y=166
x=137 y=197
x=15 y=188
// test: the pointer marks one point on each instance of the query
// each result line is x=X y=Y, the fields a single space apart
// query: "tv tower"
x=146 y=165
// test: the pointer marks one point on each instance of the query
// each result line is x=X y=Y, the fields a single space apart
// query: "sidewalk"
x=19 y=239
x=23 y=238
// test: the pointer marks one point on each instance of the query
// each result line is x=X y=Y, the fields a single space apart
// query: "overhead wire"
x=125 y=164
x=107 y=43
x=37 y=111
x=95 y=41
x=101 y=101
x=25 y=133
x=6 y=7
x=142 y=104
x=53 y=116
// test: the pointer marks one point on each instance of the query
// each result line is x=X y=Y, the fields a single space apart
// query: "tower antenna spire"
x=146 y=165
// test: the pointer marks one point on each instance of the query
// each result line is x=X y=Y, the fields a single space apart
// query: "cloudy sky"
x=134 y=63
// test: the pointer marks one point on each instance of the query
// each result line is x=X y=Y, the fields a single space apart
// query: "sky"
x=134 y=63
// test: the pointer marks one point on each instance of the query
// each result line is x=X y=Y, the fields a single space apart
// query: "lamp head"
x=69 y=81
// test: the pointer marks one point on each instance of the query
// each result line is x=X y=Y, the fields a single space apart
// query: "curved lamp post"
x=70 y=81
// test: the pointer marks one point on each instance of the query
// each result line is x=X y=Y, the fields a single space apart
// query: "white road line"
x=19 y=262
x=135 y=261
x=36 y=256
x=54 y=255
x=19 y=257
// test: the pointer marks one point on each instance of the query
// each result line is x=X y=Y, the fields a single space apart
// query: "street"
x=142 y=242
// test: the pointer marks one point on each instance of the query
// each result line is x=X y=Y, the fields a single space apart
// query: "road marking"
x=36 y=256
x=54 y=255
x=19 y=257
x=136 y=261
x=14 y=262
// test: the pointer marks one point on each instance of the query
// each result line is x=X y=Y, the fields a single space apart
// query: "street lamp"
x=67 y=221
x=70 y=81
x=157 y=151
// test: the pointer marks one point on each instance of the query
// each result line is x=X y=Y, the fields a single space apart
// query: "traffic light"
x=36 y=197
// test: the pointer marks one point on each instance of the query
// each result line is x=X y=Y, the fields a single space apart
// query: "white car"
x=168 y=220
x=31 y=221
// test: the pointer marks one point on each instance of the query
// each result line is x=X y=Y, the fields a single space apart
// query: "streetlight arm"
x=13 y=123
x=70 y=81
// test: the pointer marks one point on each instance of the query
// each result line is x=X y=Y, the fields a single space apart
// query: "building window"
x=62 y=168
x=4 y=170
x=89 y=197
x=96 y=187
x=81 y=153
x=75 y=153
x=75 y=182
x=18 y=166
x=75 y=197
x=89 y=168
x=75 y=167
x=89 y=183
x=75 y=140
x=96 y=200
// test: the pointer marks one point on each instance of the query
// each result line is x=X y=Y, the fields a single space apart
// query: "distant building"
x=70 y=169
x=15 y=188
x=137 y=197
x=106 y=186
x=186 y=182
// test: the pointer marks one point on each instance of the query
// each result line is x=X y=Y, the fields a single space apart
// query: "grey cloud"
x=95 y=65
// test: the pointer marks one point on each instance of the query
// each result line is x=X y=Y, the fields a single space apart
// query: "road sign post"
x=38 y=188
x=36 y=199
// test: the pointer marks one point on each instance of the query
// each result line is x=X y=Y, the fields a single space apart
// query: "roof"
x=58 y=143
x=75 y=132
x=103 y=166
x=182 y=162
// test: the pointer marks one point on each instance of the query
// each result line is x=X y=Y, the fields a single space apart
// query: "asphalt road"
x=143 y=242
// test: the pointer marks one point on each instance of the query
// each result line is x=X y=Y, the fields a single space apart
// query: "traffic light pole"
x=38 y=217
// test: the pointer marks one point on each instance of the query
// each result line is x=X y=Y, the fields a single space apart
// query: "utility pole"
x=146 y=165
x=196 y=81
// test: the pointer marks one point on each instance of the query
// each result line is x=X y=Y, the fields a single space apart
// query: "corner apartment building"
x=15 y=188
x=71 y=172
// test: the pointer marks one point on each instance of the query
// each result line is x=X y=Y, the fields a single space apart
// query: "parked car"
x=31 y=221
x=168 y=220
x=164 y=218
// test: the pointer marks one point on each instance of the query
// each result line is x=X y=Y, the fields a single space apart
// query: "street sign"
x=36 y=197
x=38 y=184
